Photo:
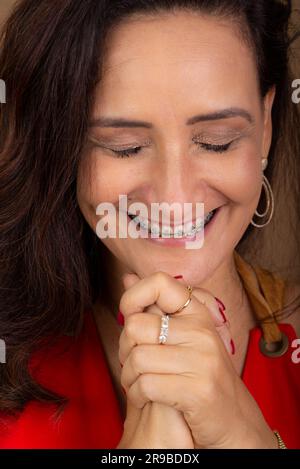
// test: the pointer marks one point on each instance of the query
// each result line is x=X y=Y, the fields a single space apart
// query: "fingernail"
x=123 y=390
x=221 y=309
x=232 y=347
x=178 y=276
x=120 y=318
x=221 y=305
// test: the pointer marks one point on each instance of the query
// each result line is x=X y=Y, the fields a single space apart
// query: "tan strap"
x=265 y=291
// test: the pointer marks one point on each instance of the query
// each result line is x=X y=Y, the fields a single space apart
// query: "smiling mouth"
x=166 y=231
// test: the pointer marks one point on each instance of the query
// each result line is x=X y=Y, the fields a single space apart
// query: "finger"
x=218 y=311
x=168 y=294
x=172 y=390
x=205 y=297
x=226 y=337
x=155 y=359
x=153 y=309
x=141 y=328
x=216 y=307
x=171 y=359
x=130 y=279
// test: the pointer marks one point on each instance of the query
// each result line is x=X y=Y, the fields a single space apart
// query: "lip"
x=179 y=242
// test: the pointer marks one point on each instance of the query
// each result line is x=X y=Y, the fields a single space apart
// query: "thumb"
x=130 y=279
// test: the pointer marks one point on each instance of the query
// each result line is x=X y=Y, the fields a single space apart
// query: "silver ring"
x=164 y=329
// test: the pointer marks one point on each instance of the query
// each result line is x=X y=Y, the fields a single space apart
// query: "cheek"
x=242 y=178
x=102 y=181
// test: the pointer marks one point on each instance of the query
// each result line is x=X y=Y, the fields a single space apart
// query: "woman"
x=175 y=102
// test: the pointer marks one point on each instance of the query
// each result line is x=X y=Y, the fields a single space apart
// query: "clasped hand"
x=193 y=371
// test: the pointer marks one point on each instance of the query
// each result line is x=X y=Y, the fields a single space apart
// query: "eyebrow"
x=223 y=114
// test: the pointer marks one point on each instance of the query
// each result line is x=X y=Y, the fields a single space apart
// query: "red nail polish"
x=223 y=315
x=120 y=318
x=220 y=304
x=221 y=309
x=232 y=347
x=178 y=276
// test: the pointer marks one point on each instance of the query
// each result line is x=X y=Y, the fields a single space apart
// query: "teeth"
x=144 y=224
x=167 y=231
x=155 y=229
x=189 y=229
x=134 y=218
x=209 y=216
x=199 y=224
x=178 y=231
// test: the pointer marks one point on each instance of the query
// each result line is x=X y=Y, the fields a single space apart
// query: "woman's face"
x=164 y=71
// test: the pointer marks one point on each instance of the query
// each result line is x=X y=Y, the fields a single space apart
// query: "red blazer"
x=77 y=368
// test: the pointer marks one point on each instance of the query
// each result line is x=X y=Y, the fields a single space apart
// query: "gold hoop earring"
x=270 y=204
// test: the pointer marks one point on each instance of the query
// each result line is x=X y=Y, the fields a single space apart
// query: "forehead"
x=176 y=56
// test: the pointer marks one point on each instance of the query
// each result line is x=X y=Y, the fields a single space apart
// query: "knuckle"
x=207 y=391
x=162 y=278
x=215 y=366
x=199 y=296
x=209 y=339
x=192 y=401
x=120 y=357
x=137 y=357
x=130 y=325
x=144 y=385
x=197 y=323
x=123 y=381
x=124 y=302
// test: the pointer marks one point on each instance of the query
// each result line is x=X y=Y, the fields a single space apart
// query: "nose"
x=176 y=177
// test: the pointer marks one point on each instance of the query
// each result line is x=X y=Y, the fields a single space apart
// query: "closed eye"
x=127 y=153
x=132 y=151
x=207 y=146
x=215 y=148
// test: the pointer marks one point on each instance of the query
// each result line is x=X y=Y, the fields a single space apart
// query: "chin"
x=195 y=269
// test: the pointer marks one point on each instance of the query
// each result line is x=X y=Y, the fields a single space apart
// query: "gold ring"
x=190 y=290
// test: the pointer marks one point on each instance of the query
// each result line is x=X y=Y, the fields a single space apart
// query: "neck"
x=226 y=284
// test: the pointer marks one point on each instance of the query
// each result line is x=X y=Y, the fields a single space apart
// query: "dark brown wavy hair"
x=52 y=265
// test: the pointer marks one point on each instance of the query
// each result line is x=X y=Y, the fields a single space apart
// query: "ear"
x=268 y=128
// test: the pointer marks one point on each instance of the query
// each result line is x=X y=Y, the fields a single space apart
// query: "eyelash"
x=207 y=146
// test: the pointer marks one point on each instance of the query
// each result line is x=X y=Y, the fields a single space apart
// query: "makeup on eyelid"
x=134 y=150
x=217 y=142
x=209 y=134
